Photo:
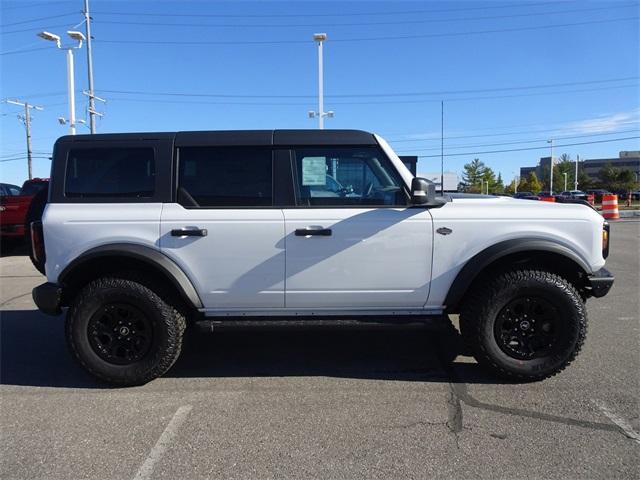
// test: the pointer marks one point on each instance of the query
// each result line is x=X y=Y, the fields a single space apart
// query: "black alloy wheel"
x=527 y=327
x=120 y=333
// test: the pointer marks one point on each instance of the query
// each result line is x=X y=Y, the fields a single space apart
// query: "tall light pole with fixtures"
x=79 y=37
x=551 y=168
x=575 y=180
x=320 y=38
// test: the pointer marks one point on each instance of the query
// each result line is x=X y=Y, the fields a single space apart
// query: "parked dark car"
x=526 y=196
x=577 y=194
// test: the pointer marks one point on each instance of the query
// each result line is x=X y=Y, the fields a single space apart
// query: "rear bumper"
x=47 y=298
x=600 y=282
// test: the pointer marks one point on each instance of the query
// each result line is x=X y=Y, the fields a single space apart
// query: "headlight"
x=606 y=233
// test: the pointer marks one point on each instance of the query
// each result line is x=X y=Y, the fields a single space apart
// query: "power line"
x=37 y=19
x=30 y=5
x=353 y=24
x=378 y=94
x=414 y=101
x=528 y=148
x=13 y=52
x=630 y=122
x=33 y=28
x=356 y=14
x=364 y=39
x=520 y=141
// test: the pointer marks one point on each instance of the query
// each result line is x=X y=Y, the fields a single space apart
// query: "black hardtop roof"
x=237 y=137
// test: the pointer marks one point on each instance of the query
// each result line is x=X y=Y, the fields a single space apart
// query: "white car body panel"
x=239 y=264
x=375 y=258
x=71 y=229
x=478 y=223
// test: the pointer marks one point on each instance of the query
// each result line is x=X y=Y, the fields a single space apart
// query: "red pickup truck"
x=14 y=204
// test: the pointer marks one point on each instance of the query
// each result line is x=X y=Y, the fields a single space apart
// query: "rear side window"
x=225 y=177
x=110 y=173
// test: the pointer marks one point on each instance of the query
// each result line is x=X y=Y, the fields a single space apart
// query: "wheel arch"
x=538 y=253
x=117 y=257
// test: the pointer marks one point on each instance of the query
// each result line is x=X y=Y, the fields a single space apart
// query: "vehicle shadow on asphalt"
x=33 y=352
x=11 y=247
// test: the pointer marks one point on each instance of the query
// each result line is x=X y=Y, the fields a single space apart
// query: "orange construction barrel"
x=548 y=198
x=610 y=206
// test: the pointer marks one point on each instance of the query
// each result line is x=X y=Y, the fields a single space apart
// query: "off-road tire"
x=487 y=299
x=168 y=325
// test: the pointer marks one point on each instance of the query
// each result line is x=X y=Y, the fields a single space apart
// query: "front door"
x=223 y=231
x=352 y=242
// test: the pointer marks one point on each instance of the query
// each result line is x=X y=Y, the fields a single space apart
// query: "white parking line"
x=619 y=421
x=145 y=471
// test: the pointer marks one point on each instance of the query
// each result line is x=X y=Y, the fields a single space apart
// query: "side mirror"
x=423 y=192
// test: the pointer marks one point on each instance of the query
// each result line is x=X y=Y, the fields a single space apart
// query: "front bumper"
x=600 y=283
x=47 y=298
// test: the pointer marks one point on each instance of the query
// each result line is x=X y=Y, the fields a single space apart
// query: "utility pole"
x=92 y=110
x=442 y=147
x=575 y=180
x=26 y=119
x=551 y=169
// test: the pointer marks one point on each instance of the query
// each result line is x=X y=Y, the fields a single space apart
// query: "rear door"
x=353 y=243
x=223 y=229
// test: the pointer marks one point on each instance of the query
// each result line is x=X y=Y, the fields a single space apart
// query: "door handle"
x=322 y=232
x=189 y=232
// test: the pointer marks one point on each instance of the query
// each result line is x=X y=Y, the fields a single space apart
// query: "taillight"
x=37 y=242
x=606 y=233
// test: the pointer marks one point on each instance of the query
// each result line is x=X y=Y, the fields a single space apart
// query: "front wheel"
x=524 y=324
x=123 y=332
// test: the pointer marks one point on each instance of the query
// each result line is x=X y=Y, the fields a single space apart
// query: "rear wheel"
x=123 y=332
x=524 y=324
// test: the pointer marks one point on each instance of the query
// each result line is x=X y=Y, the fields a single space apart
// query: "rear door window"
x=210 y=177
x=115 y=172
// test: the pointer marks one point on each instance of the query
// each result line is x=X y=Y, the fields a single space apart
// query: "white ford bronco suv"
x=144 y=234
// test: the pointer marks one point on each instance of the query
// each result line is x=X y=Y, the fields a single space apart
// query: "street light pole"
x=71 y=92
x=79 y=37
x=565 y=181
x=575 y=180
x=551 y=169
x=320 y=38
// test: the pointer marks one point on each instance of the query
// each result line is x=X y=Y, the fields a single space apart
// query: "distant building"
x=627 y=160
x=543 y=165
x=451 y=180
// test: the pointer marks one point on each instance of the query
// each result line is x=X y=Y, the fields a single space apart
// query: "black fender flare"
x=149 y=255
x=476 y=264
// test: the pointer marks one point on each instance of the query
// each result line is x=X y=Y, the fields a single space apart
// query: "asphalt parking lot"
x=322 y=403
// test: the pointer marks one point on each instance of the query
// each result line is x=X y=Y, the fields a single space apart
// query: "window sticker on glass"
x=314 y=171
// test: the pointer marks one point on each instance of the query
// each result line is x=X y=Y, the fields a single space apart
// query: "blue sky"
x=512 y=74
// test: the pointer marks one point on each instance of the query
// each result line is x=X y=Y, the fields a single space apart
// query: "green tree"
x=533 y=184
x=499 y=186
x=474 y=172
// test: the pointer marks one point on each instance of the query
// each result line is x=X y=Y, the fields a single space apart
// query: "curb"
x=629 y=213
